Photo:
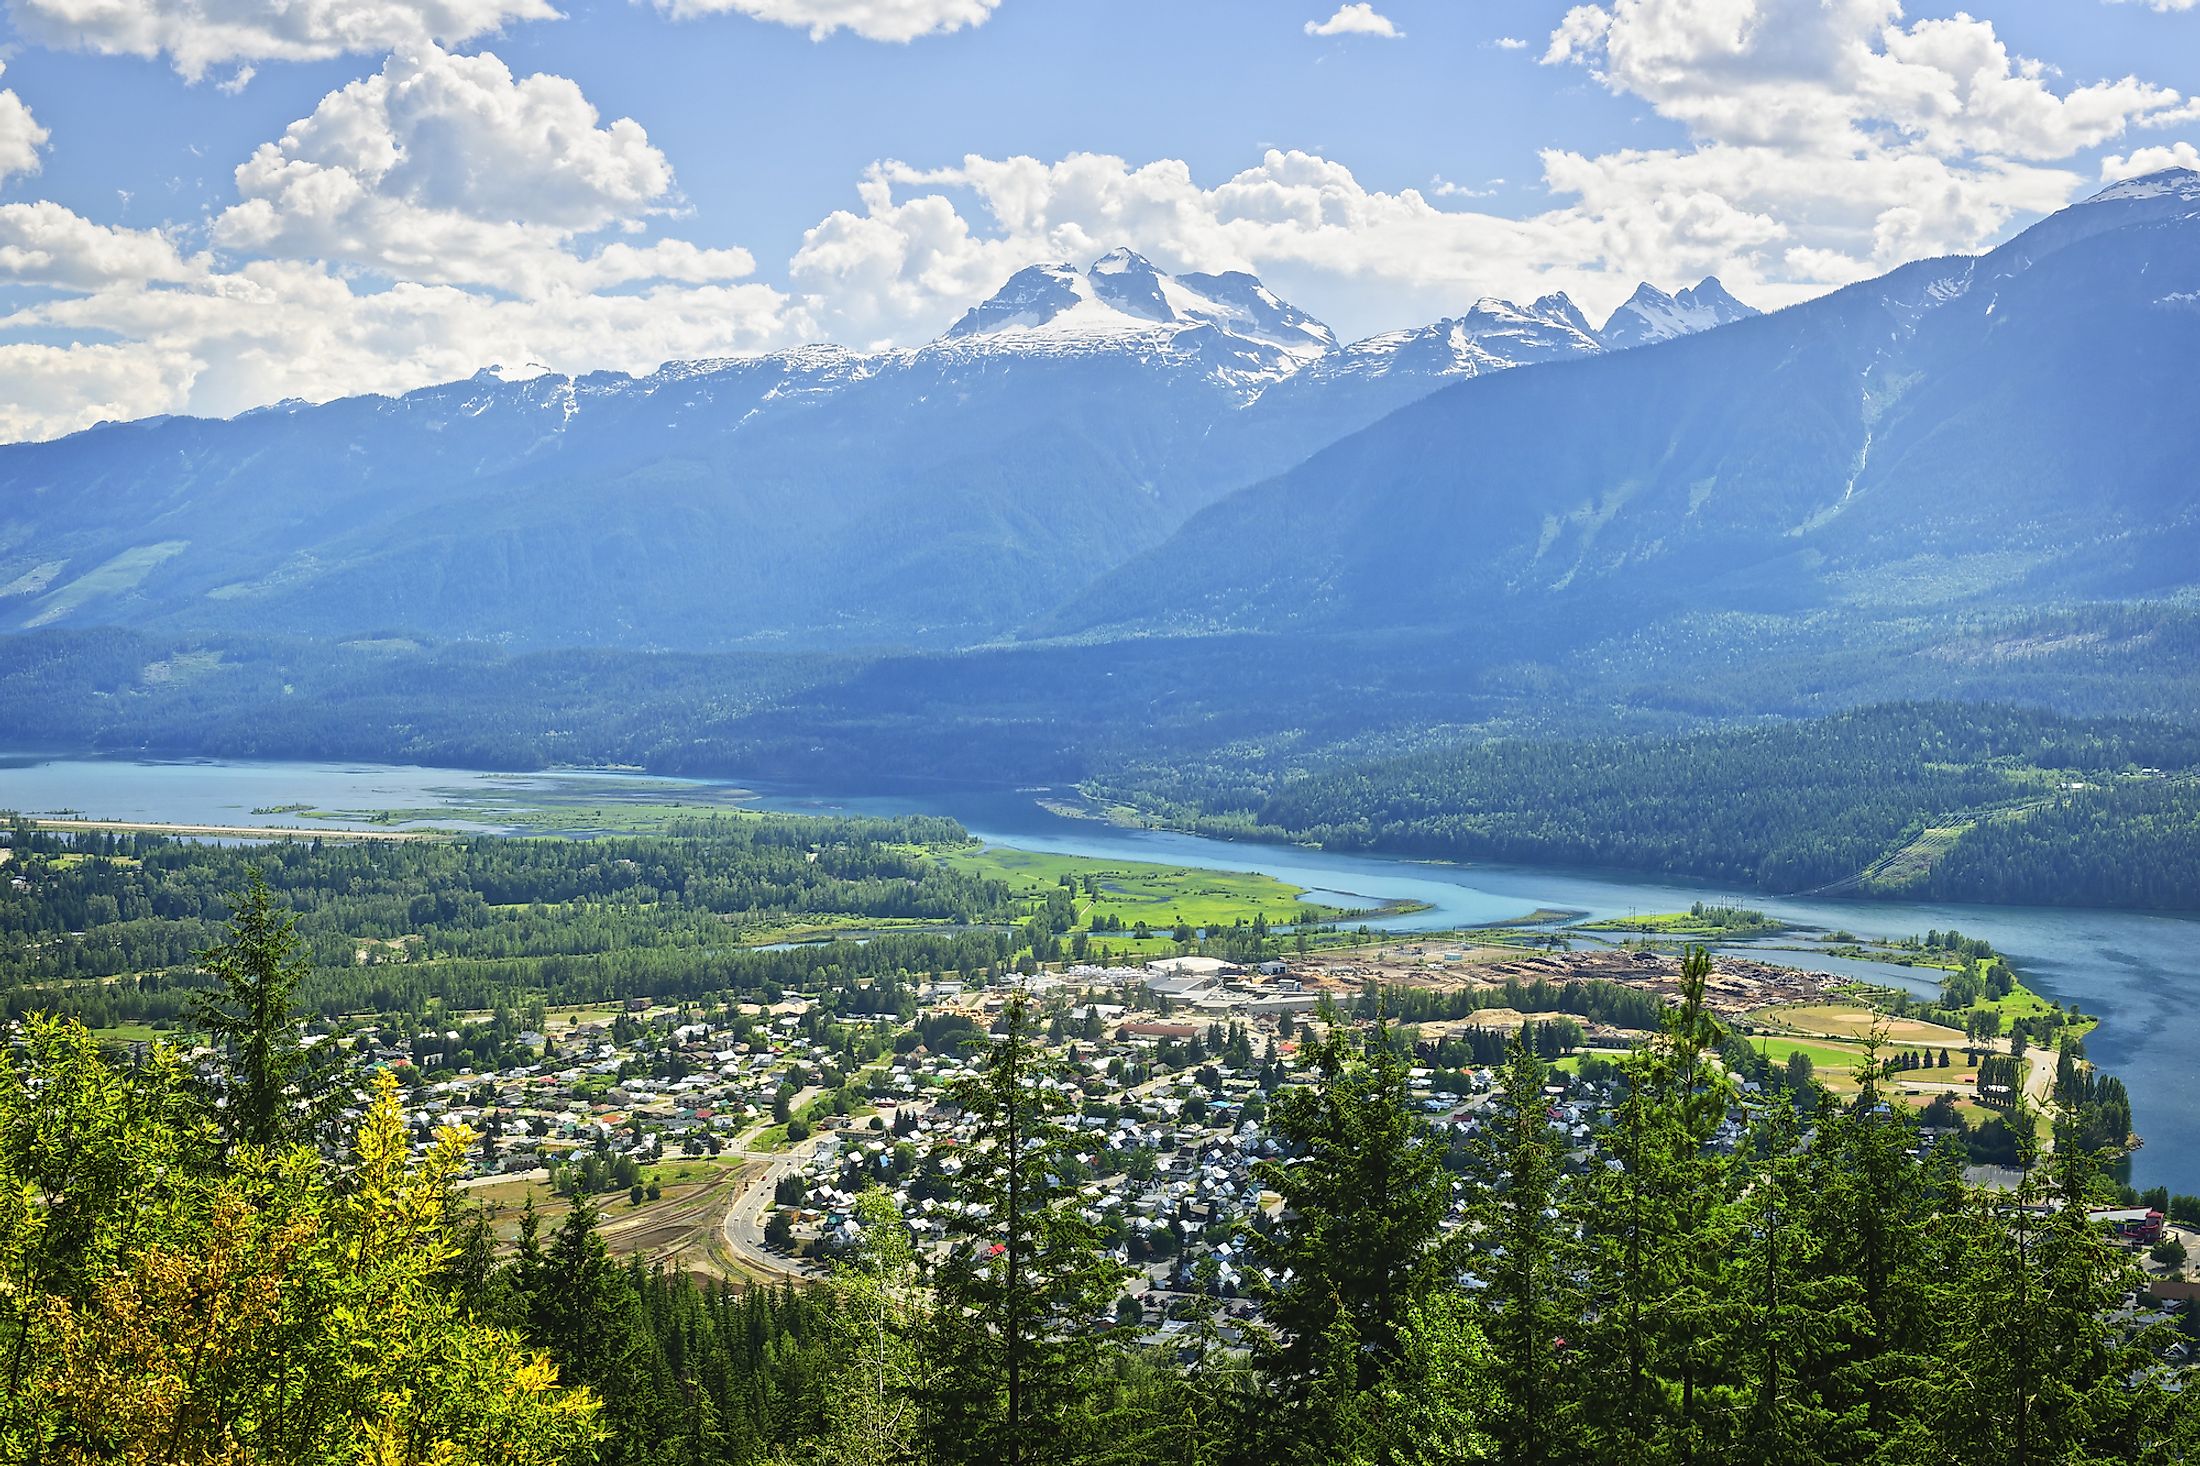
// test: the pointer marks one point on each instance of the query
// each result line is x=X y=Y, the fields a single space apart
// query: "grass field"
x=2020 y=1003
x=69 y=860
x=551 y=816
x=1914 y=861
x=1833 y=1064
x=1571 y=1063
x=558 y=803
x=1712 y=922
x=131 y=1033
x=572 y=1014
x=829 y=927
x=1854 y=1020
x=1159 y=895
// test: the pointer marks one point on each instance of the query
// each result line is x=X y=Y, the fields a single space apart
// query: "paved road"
x=2039 y=1089
x=744 y=1223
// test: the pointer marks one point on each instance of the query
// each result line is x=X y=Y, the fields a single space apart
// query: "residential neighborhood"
x=732 y=1140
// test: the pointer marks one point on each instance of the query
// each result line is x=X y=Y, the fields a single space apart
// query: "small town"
x=731 y=1142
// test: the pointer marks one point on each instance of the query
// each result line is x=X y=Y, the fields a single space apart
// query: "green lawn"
x=1685 y=924
x=1159 y=895
x=71 y=859
x=131 y=1033
x=829 y=926
x=2022 y=1002
x=1832 y=1064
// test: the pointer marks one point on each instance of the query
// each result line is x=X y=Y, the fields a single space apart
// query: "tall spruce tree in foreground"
x=1016 y=1369
x=1659 y=1225
x=1891 y=1227
x=2037 y=1361
x=585 y=1310
x=1185 y=1405
x=273 y=1092
x=1791 y=1308
x=1528 y=1302
x=1360 y=1243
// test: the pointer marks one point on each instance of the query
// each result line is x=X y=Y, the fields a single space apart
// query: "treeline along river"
x=2140 y=974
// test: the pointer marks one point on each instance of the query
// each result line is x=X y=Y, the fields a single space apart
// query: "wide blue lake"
x=2139 y=972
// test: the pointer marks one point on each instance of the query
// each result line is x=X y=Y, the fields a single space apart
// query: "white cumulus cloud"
x=1356 y=19
x=198 y=35
x=20 y=136
x=874 y=20
x=52 y=389
x=448 y=169
x=1855 y=140
x=436 y=217
x=272 y=329
x=443 y=213
x=42 y=243
x=1831 y=73
x=2141 y=161
x=1828 y=141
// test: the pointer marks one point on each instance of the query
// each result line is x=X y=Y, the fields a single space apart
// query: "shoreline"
x=231 y=832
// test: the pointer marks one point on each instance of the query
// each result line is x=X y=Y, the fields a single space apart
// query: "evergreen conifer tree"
x=1360 y=1242
x=1659 y=1221
x=272 y=1092
x=1017 y=1366
x=875 y=1322
x=1527 y=1313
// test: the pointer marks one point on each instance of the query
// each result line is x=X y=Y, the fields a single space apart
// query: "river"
x=2136 y=972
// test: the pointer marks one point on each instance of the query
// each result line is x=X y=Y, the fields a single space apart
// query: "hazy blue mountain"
x=2013 y=429
x=1355 y=385
x=818 y=497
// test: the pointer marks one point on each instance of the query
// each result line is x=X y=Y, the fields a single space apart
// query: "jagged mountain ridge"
x=1650 y=315
x=2006 y=430
x=930 y=496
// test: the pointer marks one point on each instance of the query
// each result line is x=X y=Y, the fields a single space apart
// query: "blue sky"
x=203 y=208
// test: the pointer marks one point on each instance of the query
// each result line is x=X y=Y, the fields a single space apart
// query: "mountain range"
x=1114 y=518
x=2012 y=430
x=933 y=496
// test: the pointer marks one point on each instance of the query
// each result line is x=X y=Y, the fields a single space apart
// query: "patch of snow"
x=2181 y=183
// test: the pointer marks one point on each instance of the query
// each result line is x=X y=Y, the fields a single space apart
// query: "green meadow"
x=1159 y=895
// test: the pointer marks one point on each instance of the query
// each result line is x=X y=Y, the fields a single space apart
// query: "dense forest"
x=106 y=927
x=2127 y=843
x=2035 y=807
x=1231 y=706
x=1715 y=1277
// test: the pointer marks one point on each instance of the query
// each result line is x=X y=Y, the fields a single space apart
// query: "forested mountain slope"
x=1958 y=802
x=2008 y=430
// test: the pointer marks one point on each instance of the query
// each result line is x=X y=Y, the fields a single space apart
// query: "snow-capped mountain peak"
x=1240 y=304
x=1491 y=336
x=1033 y=297
x=1129 y=282
x=1124 y=299
x=2182 y=184
x=1559 y=306
x=1651 y=315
